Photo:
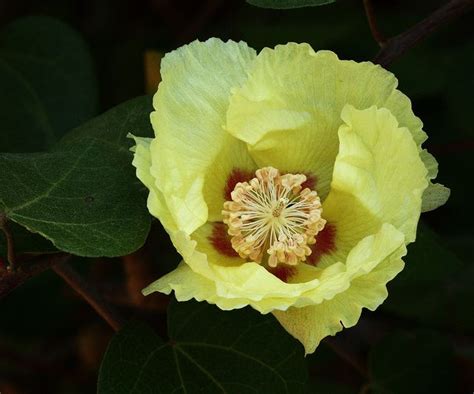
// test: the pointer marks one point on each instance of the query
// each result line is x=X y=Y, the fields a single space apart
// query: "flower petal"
x=213 y=241
x=187 y=284
x=378 y=178
x=232 y=164
x=190 y=108
x=288 y=110
x=251 y=284
x=142 y=162
x=311 y=324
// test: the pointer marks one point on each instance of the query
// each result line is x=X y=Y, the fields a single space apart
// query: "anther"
x=272 y=219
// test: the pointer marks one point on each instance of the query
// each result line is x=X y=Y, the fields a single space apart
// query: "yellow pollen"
x=272 y=219
x=280 y=205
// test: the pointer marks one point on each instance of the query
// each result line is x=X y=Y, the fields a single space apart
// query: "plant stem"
x=398 y=45
x=348 y=357
x=11 y=257
x=89 y=293
x=376 y=33
x=9 y=280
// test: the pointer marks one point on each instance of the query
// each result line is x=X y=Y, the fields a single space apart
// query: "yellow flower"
x=290 y=181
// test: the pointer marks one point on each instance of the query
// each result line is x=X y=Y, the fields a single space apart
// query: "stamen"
x=272 y=219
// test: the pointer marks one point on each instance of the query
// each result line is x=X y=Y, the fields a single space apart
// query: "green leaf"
x=209 y=351
x=83 y=195
x=48 y=73
x=287 y=4
x=418 y=362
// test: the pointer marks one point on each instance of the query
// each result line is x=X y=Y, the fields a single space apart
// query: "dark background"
x=52 y=342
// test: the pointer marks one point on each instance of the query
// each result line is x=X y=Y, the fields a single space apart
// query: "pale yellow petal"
x=190 y=108
x=188 y=285
x=289 y=109
x=213 y=241
x=142 y=162
x=246 y=281
x=312 y=323
x=232 y=164
x=251 y=284
x=378 y=177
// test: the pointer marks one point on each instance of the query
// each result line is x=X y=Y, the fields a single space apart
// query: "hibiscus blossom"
x=290 y=181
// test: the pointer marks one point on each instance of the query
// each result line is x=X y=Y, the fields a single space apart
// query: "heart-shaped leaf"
x=209 y=351
x=83 y=195
x=48 y=73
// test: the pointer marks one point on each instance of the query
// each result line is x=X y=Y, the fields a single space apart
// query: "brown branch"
x=138 y=271
x=398 y=45
x=89 y=293
x=376 y=33
x=11 y=257
x=10 y=280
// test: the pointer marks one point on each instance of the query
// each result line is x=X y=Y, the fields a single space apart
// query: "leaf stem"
x=372 y=20
x=398 y=45
x=9 y=280
x=90 y=294
x=11 y=257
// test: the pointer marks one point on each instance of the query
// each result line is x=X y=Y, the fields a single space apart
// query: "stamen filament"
x=272 y=219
